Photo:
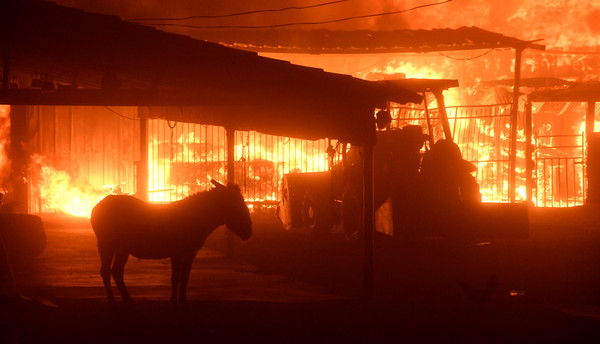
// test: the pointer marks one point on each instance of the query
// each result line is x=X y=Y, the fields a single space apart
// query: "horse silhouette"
x=126 y=225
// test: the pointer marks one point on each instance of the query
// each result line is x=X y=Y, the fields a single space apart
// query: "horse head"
x=237 y=213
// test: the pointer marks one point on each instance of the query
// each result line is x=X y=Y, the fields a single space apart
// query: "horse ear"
x=217 y=184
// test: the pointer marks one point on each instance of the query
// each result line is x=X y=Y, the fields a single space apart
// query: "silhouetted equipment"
x=427 y=195
x=305 y=201
x=23 y=235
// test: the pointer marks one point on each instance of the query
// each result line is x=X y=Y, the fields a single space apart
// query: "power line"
x=298 y=23
x=243 y=13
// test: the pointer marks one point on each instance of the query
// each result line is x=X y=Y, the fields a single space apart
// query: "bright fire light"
x=61 y=194
x=4 y=141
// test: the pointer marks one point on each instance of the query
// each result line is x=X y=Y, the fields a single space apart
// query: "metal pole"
x=142 y=167
x=513 y=126
x=428 y=118
x=19 y=157
x=439 y=97
x=230 y=134
x=529 y=168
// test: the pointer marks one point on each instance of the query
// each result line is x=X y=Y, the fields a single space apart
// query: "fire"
x=183 y=159
x=60 y=193
x=4 y=141
x=574 y=22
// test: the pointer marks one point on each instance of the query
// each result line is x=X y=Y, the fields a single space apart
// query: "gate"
x=483 y=134
x=560 y=170
x=184 y=157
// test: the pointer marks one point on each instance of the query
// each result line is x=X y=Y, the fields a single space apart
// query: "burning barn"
x=482 y=112
x=116 y=107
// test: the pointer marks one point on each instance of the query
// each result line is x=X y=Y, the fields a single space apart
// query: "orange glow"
x=184 y=158
x=4 y=141
x=59 y=193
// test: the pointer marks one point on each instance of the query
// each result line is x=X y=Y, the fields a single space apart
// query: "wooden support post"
x=369 y=223
x=512 y=183
x=590 y=123
x=19 y=157
x=230 y=133
x=529 y=168
x=141 y=172
x=439 y=97
x=590 y=119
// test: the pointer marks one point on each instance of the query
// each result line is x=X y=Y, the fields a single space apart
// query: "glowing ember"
x=60 y=194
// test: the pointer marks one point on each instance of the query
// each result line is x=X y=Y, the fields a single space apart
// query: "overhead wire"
x=189 y=26
x=243 y=13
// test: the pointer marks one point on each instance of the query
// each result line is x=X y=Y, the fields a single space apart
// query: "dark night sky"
x=563 y=23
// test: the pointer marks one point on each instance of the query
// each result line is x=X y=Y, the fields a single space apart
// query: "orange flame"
x=4 y=141
x=59 y=193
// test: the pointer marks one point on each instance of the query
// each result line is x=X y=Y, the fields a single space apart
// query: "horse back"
x=128 y=224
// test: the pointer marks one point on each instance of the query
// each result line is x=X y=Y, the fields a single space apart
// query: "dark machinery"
x=416 y=193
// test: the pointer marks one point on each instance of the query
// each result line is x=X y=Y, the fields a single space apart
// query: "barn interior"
x=130 y=108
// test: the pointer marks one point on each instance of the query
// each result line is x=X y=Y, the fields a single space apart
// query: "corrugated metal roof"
x=576 y=92
x=364 y=41
x=263 y=94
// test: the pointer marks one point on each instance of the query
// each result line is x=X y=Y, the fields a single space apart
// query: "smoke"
x=562 y=23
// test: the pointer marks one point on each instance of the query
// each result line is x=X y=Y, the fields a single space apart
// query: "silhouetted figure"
x=126 y=225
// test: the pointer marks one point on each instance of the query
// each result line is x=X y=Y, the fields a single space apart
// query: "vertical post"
x=591 y=173
x=439 y=97
x=5 y=18
x=428 y=119
x=513 y=127
x=19 y=157
x=230 y=133
x=529 y=167
x=369 y=222
x=590 y=119
x=141 y=172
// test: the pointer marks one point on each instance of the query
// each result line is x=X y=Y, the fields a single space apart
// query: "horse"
x=126 y=225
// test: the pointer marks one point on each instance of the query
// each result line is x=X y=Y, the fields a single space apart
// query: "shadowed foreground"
x=295 y=287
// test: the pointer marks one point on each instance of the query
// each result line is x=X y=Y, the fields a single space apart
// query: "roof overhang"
x=365 y=41
x=578 y=92
x=156 y=68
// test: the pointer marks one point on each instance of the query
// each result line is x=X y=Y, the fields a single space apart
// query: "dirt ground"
x=296 y=286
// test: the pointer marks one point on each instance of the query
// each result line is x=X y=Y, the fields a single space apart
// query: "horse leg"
x=175 y=276
x=117 y=271
x=186 y=267
x=106 y=256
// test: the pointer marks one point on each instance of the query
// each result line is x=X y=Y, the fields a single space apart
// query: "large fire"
x=184 y=158
x=59 y=193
